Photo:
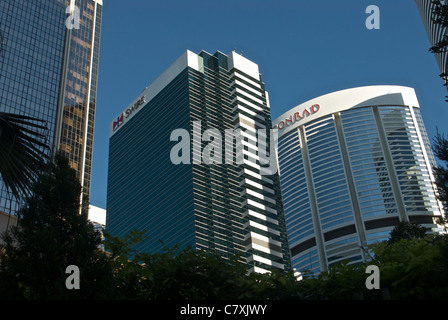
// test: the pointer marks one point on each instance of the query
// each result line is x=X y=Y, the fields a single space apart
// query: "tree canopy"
x=53 y=233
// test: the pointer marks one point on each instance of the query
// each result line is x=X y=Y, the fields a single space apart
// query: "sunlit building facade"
x=353 y=164
x=49 y=53
x=79 y=83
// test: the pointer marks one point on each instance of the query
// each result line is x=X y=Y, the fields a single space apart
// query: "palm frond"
x=23 y=151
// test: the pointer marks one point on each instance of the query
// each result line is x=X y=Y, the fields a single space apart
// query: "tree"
x=129 y=275
x=440 y=13
x=406 y=230
x=22 y=151
x=409 y=269
x=414 y=268
x=412 y=265
x=342 y=281
x=51 y=235
x=190 y=274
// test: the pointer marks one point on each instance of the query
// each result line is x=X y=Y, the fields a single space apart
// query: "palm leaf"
x=22 y=151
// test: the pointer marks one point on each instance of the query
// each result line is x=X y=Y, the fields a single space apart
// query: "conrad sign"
x=297 y=116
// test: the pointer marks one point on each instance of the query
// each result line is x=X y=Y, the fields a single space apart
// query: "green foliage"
x=130 y=276
x=52 y=234
x=22 y=151
x=189 y=274
x=406 y=230
x=414 y=268
x=342 y=282
x=411 y=268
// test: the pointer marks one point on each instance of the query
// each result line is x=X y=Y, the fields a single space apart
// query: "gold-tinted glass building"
x=76 y=118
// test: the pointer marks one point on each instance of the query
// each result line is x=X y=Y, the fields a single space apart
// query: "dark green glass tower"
x=231 y=207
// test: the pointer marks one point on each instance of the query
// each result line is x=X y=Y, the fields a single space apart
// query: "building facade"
x=437 y=33
x=78 y=88
x=353 y=164
x=227 y=207
x=49 y=52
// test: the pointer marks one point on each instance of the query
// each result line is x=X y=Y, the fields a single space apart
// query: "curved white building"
x=353 y=163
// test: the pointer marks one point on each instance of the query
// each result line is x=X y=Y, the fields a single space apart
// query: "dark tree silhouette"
x=50 y=236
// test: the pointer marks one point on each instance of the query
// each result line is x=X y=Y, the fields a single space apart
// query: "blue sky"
x=304 y=48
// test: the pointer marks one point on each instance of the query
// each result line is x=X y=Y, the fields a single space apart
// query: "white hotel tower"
x=353 y=163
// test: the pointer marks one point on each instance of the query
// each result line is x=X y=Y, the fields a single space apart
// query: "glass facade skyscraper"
x=32 y=53
x=228 y=208
x=76 y=118
x=49 y=71
x=352 y=165
x=436 y=32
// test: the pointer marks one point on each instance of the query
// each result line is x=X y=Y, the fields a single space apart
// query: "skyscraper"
x=353 y=163
x=228 y=207
x=49 y=51
x=78 y=89
x=437 y=33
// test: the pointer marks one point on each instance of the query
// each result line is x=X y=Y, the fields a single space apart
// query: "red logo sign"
x=297 y=116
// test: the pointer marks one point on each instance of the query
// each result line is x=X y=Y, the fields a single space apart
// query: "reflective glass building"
x=229 y=208
x=78 y=89
x=352 y=165
x=436 y=31
x=49 y=70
